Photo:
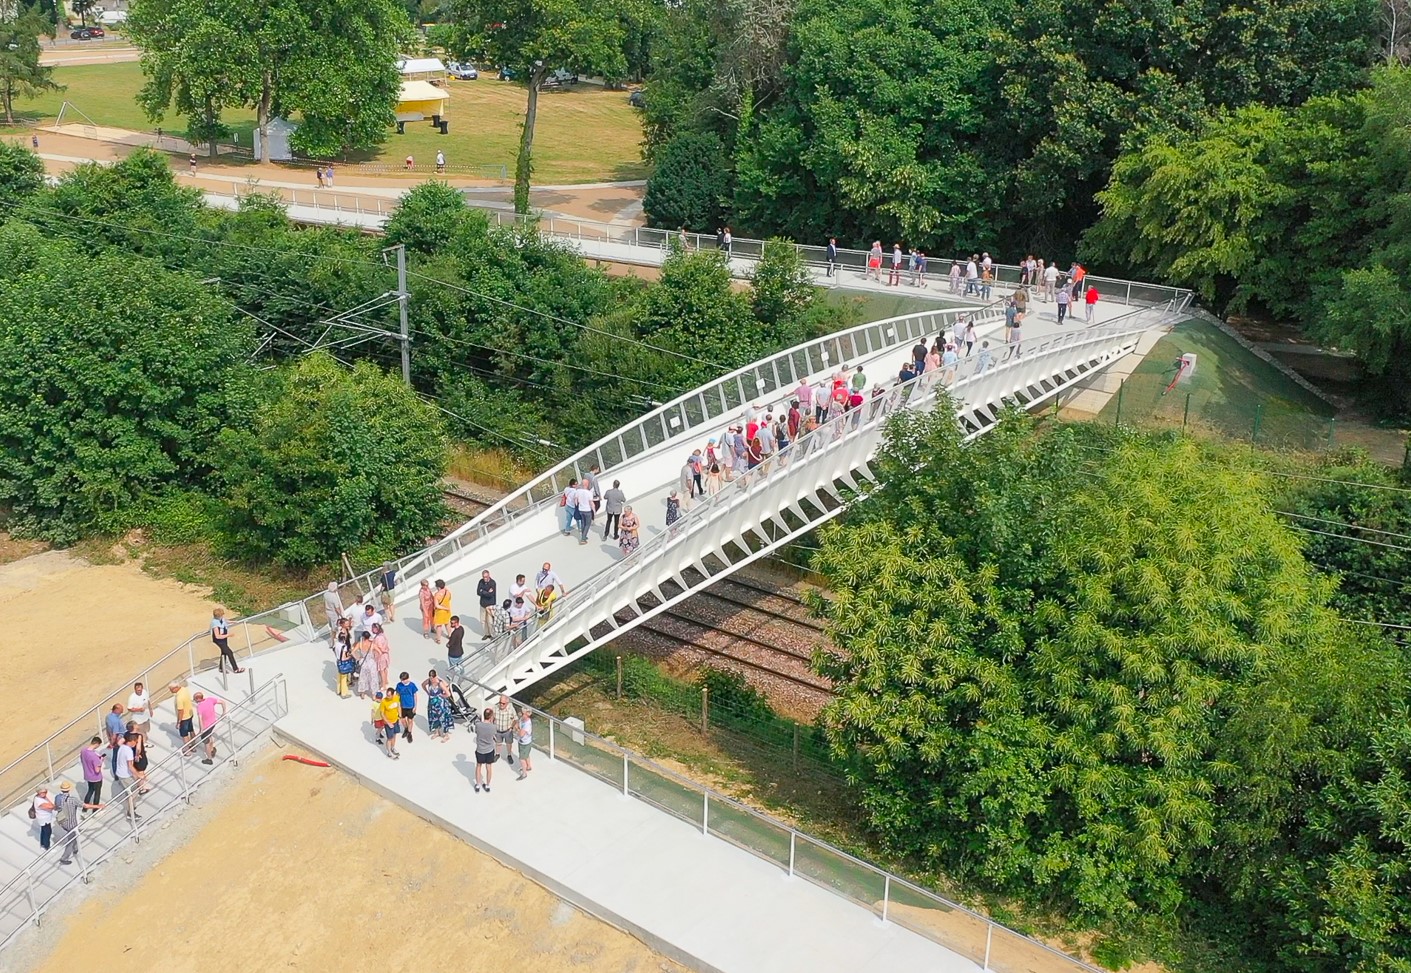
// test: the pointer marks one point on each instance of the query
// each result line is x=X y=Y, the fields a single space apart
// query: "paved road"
x=75 y=53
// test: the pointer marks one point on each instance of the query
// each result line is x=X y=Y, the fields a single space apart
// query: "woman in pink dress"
x=382 y=653
x=428 y=608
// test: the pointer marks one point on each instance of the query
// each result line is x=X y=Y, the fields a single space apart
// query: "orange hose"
x=305 y=760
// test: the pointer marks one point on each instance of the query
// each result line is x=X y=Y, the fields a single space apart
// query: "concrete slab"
x=697 y=898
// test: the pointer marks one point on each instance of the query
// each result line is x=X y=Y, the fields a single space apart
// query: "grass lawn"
x=862 y=307
x=1231 y=390
x=584 y=134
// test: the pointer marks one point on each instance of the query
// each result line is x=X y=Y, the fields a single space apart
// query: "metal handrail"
x=709 y=795
x=113 y=812
x=156 y=694
x=804 y=450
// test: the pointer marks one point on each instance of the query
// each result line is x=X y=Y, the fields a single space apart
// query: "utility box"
x=1187 y=366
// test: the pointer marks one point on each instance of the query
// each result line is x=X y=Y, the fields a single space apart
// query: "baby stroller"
x=461 y=710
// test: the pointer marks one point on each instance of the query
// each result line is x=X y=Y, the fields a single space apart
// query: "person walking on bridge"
x=441 y=621
x=583 y=511
x=333 y=607
x=615 y=500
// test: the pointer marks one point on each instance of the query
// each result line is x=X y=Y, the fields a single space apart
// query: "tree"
x=328 y=460
x=21 y=74
x=21 y=176
x=782 y=290
x=534 y=38
x=427 y=218
x=333 y=64
x=689 y=184
x=1057 y=665
x=112 y=393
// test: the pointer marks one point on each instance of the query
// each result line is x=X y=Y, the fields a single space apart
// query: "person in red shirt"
x=1091 y=299
x=795 y=420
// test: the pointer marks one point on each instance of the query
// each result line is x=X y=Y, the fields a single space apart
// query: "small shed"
x=279 y=131
x=422 y=69
x=421 y=100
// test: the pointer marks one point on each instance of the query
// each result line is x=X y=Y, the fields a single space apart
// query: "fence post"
x=792 y=835
x=619 y=677
x=1258 y=414
x=989 y=935
x=886 y=895
x=705 y=709
x=49 y=758
x=1332 y=422
x=1120 y=387
x=705 y=812
x=796 y=746
x=551 y=737
x=624 y=773
x=185 y=787
x=29 y=894
x=190 y=658
x=1186 y=416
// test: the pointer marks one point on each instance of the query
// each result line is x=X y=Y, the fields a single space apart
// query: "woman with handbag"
x=347 y=665
x=367 y=670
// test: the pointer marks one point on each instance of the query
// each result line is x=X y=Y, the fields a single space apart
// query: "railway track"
x=752 y=608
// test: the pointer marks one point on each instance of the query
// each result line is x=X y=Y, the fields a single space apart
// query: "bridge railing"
x=797 y=854
x=978 y=381
x=101 y=834
x=713 y=403
x=1112 y=289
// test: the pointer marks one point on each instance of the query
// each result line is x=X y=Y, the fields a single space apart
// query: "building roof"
x=421 y=91
x=421 y=65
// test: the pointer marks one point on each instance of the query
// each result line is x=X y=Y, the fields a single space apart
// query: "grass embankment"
x=1233 y=394
x=584 y=133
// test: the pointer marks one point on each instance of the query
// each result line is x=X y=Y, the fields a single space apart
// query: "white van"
x=112 y=18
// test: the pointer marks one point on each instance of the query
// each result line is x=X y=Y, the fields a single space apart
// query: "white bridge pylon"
x=750 y=517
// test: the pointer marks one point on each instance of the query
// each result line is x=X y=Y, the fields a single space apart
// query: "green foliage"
x=182 y=517
x=331 y=461
x=21 y=176
x=689 y=184
x=1089 y=671
x=113 y=392
x=21 y=74
x=782 y=291
x=427 y=218
x=732 y=692
x=332 y=64
x=1302 y=211
x=1370 y=559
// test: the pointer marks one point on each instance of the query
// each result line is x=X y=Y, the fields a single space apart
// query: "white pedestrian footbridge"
x=599 y=825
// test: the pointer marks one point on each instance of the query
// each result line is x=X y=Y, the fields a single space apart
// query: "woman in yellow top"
x=441 y=620
x=545 y=603
x=387 y=718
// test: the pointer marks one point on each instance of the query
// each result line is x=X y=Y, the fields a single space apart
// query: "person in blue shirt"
x=116 y=728
x=406 y=693
x=907 y=373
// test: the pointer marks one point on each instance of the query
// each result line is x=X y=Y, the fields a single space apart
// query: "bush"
x=329 y=461
x=689 y=185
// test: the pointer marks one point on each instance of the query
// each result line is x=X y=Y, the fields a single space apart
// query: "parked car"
x=81 y=34
x=506 y=74
x=96 y=30
x=560 y=77
x=462 y=72
x=637 y=99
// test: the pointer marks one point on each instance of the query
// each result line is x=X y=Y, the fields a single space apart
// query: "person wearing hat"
x=66 y=808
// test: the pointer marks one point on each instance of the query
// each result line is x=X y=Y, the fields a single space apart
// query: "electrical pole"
x=403 y=297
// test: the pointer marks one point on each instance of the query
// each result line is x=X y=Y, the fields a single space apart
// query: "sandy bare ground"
x=304 y=869
x=75 y=630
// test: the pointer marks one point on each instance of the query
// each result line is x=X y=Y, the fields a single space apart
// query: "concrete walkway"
x=693 y=896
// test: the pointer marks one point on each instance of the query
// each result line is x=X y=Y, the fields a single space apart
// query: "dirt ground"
x=74 y=630
x=305 y=869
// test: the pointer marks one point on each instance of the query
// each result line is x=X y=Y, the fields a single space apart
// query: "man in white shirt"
x=548 y=578
x=370 y=617
x=986 y=262
x=139 y=710
x=584 y=503
x=972 y=276
x=354 y=613
x=333 y=605
x=520 y=588
x=1046 y=294
x=123 y=773
x=521 y=612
